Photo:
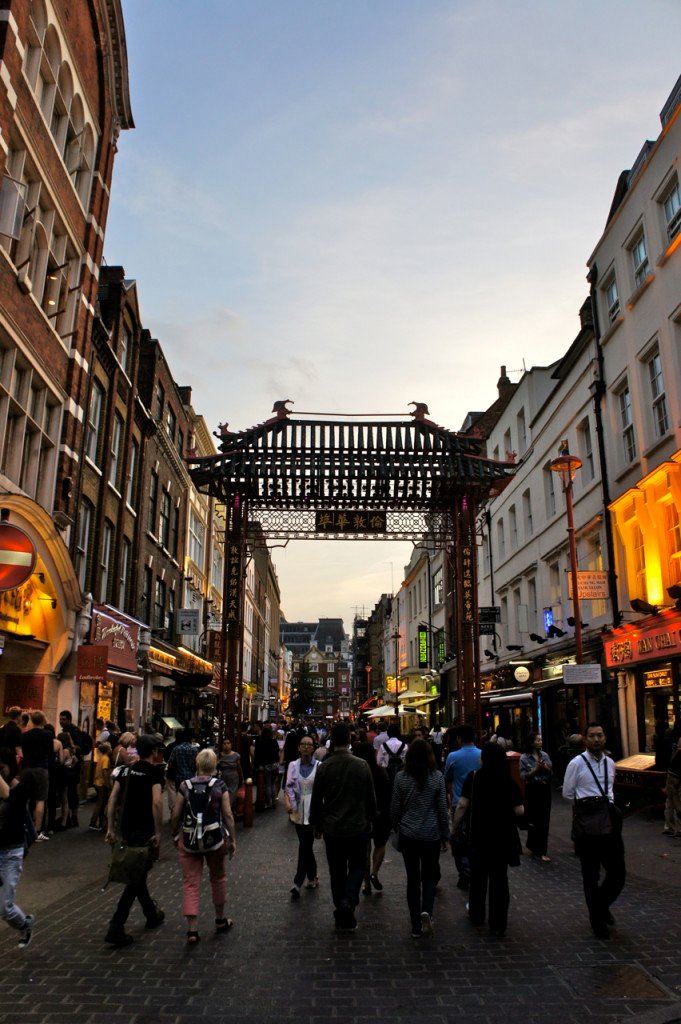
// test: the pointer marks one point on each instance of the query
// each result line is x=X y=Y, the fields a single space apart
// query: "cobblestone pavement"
x=283 y=961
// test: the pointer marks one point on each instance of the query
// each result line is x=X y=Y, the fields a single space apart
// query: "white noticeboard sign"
x=189 y=621
x=582 y=675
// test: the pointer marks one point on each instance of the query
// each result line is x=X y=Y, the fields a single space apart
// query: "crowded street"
x=283 y=959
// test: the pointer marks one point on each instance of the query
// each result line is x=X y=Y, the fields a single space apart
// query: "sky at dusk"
x=359 y=203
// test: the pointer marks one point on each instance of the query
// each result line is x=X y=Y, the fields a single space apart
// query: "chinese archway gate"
x=328 y=478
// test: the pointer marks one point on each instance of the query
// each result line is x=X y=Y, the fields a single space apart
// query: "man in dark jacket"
x=342 y=810
x=138 y=791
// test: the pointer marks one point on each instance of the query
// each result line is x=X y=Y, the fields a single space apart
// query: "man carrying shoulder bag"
x=596 y=828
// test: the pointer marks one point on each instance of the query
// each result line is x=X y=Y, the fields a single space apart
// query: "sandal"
x=223 y=924
x=193 y=938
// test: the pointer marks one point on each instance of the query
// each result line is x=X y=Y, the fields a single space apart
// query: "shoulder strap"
x=604 y=792
x=402 y=746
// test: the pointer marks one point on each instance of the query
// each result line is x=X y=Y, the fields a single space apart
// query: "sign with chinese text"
x=491 y=613
x=233 y=581
x=25 y=692
x=591 y=586
x=467 y=582
x=423 y=647
x=486 y=628
x=637 y=645
x=91 y=663
x=351 y=522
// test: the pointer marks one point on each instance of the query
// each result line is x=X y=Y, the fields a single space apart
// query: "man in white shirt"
x=589 y=777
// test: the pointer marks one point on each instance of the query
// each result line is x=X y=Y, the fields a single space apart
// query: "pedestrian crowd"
x=354 y=788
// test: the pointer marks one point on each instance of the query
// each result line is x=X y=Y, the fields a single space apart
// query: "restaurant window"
x=659 y=710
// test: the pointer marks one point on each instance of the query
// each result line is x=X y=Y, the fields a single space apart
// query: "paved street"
x=284 y=961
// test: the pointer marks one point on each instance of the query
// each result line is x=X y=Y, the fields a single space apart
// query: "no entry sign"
x=17 y=557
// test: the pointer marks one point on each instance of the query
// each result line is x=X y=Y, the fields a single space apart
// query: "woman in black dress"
x=535 y=771
x=495 y=803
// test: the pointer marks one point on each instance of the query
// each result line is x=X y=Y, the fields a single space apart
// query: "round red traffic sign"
x=17 y=556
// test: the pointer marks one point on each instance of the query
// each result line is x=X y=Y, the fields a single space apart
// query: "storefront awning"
x=518 y=697
x=128 y=678
x=171 y=722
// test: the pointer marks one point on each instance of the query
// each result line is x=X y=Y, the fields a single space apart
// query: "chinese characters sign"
x=467 y=583
x=643 y=645
x=233 y=581
x=351 y=522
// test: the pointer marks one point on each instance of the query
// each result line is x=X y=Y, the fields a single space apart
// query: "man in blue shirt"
x=459 y=764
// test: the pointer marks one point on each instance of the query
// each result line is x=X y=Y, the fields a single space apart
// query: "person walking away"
x=229 y=768
x=419 y=815
x=71 y=769
x=138 y=791
x=596 y=828
x=342 y=810
x=181 y=765
x=37 y=752
x=460 y=762
x=266 y=756
x=202 y=819
x=495 y=804
x=391 y=754
x=536 y=771
x=381 y=830
x=14 y=796
x=11 y=734
x=297 y=798
x=101 y=782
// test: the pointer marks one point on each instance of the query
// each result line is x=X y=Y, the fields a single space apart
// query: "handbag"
x=595 y=815
x=130 y=864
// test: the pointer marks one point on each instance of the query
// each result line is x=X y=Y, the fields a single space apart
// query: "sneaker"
x=42 y=837
x=426 y=924
x=416 y=934
x=26 y=932
x=95 y=828
x=295 y=892
x=345 y=918
x=118 y=938
x=312 y=884
x=667 y=831
x=155 y=921
x=378 y=886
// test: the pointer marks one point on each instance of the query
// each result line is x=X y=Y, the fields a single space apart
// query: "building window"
x=124 y=346
x=83 y=542
x=513 y=526
x=94 y=422
x=164 y=519
x=612 y=299
x=197 y=532
x=640 y=585
x=627 y=424
x=131 y=496
x=508 y=450
x=159 y=603
x=169 y=619
x=639 y=259
x=125 y=572
x=171 y=423
x=659 y=400
x=532 y=605
x=527 y=513
x=672 y=210
x=159 y=399
x=555 y=592
x=438 y=587
x=586 y=450
x=153 y=503
x=175 y=534
x=673 y=529
x=105 y=565
x=116 y=439
x=522 y=431
x=501 y=544
x=180 y=442
x=550 y=492
x=146 y=594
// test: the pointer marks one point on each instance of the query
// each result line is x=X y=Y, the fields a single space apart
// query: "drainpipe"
x=488 y=524
x=597 y=389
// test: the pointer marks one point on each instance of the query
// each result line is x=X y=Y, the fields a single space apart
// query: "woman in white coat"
x=297 y=798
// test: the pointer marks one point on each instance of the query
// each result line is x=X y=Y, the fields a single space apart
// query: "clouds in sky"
x=359 y=204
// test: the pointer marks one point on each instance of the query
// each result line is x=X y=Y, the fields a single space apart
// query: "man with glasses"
x=298 y=796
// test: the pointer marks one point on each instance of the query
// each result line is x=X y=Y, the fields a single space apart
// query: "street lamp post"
x=396 y=638
x=566 y=466
x=368 y=671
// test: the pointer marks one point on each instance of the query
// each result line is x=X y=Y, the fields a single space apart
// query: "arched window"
x=50 y=62
x=82 y=176
x=61 y=109
x=37 y=26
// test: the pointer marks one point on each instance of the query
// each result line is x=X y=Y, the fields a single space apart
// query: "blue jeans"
x=11 y=866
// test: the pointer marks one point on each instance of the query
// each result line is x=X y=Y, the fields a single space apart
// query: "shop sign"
x=351 y=522
x=189 y=621
x=25 y=692
x=17 y=557
x=591 y=586
x=121 y=638
x=521 y=674
x=582 y=675
x=657 y=678
x=423 y=647
x=643 y=645
x=91 y=663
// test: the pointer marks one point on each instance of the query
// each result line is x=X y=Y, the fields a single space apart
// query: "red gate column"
x=231 y=614
x=465 y=627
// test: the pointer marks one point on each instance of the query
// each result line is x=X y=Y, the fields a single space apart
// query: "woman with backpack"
x=203 y=824
x=419 y=816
